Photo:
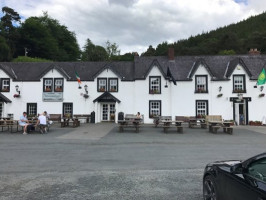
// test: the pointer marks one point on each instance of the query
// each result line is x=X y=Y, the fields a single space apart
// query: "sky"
x=135 y=24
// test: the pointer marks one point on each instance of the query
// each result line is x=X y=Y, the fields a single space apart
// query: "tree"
x=93 y=53
x=5 y=53
x=47 y=38
x=112 y=49
x=7 y=30
x=150 y=52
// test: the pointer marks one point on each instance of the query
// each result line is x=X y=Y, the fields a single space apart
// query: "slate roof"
x=220 y=68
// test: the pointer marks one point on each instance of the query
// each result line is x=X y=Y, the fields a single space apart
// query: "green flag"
x=261 y=78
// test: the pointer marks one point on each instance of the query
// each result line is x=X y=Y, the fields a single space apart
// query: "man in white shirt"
x=42 y=122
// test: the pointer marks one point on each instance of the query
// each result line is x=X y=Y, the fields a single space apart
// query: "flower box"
x=154 y=92
x=219 y=95
x=16 y=95
x=255 y=123
x=261 y=95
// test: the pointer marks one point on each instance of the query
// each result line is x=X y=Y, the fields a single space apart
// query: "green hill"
x=232 y=39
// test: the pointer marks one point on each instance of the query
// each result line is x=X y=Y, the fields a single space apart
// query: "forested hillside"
x=232 y=39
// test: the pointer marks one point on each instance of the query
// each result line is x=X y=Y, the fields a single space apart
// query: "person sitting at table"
x=23 y=121
x=138 y=115
x=42 y=123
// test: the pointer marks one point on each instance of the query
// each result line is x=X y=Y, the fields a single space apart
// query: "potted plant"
x=261 y=95
x=16 y=95
x=220 y=95
x=102 y=89
x=255 y=123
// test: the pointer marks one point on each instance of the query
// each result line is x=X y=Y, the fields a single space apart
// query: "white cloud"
x=136 y=24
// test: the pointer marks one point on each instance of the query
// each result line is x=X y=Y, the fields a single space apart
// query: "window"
x=47 y=84
x=31 y=109
x=257 y=169
x=201 y=85
x=155 y=85
x=5 y=85
x=53 y=84
x=239 y=85
x=102 y=84
x=67 y=109
x=58 y=84
x=201 y=107
x=113 y=84
x=154 y=108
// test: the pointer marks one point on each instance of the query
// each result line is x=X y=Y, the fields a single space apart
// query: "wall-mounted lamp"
x=17 y=89
x=220 y=88
x=86 y=89
x=166 y=86
x=261 y=88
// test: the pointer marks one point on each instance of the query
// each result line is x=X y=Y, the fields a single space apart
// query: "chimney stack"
x=171 y=54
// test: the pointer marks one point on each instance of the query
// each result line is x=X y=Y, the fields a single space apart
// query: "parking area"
x=96 y=161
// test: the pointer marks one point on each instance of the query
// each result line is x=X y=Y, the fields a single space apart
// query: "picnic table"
x=197 y=122
x=214 y=126
x=70 y=122
x=9 y=124
x=169 y=123
x=129 y=122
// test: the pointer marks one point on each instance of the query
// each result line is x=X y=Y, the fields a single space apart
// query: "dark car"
x=236 y=180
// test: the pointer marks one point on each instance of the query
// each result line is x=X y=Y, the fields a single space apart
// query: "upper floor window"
x=53 y=85
x=58 y=84
x=201 y=84
x=107 y=84
x=102 y=84
x=47 y=84
x=239 y=84
x=5 y=85
x=155 y=85
x=113 y=84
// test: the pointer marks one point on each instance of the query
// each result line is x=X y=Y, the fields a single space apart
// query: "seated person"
x=23 y=121
x=138 y=115
x=42 y=123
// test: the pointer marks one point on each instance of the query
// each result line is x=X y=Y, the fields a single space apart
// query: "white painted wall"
x=176 y=100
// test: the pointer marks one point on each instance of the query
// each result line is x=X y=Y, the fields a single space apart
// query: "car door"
x=237 y=188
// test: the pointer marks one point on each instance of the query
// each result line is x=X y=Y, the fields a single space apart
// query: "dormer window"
x=239 y=84
x=102 y=84
x=53 y=84
x=113 y=84
x=58 y=84
x=201 y=84
x=5 y=85
x=155 y=85
x=47 y=84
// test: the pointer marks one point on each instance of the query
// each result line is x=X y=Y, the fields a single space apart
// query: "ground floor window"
x=32 y=109
x=155 y=108
x=67 y=109
x=201 y=107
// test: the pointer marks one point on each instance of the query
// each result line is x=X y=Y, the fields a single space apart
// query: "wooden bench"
x=214 y=129
x=81 y=116
x=10 y=125
x=228 y=130
x=158 y=120
x=128 y=124
x=55 y=117
x=70 y=123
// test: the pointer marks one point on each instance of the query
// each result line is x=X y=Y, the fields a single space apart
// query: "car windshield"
x=257 y=169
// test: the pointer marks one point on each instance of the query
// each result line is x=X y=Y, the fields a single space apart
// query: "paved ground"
x=95 y=161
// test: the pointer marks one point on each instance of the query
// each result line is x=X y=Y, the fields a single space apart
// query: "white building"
x=214 y=85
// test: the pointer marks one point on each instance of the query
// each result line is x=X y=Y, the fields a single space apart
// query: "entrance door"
x=240 y=113
x=108 y=112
